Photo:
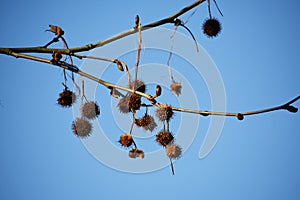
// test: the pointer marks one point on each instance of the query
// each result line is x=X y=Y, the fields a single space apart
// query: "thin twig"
x=88 y=47
x=149 y=97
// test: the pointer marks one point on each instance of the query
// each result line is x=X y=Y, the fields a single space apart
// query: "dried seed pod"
x=56 y=56
x=134 y=153
x=164 y=138
x=66 y=98
x=176 y=88
x=126 y=140
x=173 y=151
x=211 y=27
x=81 y=127
x=134 y=102
x=120 y=66
x=147 y=122
x=164 y=113
x=123 y=105
x=90 y=110
x=138 y=85
x=158 y=91
x=56 y=29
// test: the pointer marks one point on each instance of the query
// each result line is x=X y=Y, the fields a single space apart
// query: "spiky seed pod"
x=176 y=88
x=66 y=98
x=138 y=85
x=134 y=102
x=90 y=110
x=123 y=105
x=56 y=29
x=173 y=151
x=147 y=122
x=81 y=127
x=126 y=140
x=164 y=113
x=211 y=27
x=134 y=153
x=164 y=138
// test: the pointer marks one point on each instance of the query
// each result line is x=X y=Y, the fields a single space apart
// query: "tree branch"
x=88 y=47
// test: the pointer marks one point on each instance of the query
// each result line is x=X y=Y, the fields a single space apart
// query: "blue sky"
x=256 y=55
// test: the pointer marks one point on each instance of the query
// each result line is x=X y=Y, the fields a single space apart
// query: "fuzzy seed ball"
x=126 y=140
x=173 y=151
x=123 y=105
x=211 y=27
x=81 y=127
x=134 y=102
x=147 y=122
x=90 y=110
x=164 y=113
x=66 y=98
x=138 y=85
x=164 y=138
x=134 y=153
x=176 y=88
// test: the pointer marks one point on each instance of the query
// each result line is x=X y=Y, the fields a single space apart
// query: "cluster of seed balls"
x=90 y=110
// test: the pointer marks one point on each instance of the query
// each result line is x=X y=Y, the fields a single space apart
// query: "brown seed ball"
x=176 y=88
x=147 y=122
x=134 y=153
x=81 y=127
x=164 y=138
x=123 y=105
x=211 y=27
x=173 y=151
x=134 y=102
x=164 y=113
x=126 y=140
x=138 y=85
x=90 y=110
x=66 y=98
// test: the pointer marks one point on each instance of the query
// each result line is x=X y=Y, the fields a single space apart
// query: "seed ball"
x=164 y=113
x=134 y=153
x=211 y=27
x=173 y=151
x=147 y=122
x=176 y=88
x=90 y=110
x=123 y=105
x=66 y=98
x=138 y=85
x=81 y=127
x=126 y=140
x=164 y=138
x=134 y=102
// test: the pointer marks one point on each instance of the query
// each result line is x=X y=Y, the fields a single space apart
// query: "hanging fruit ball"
x=90 y=110
x=164 y=113
x=164 y=138
x=211 y=27
x=173 y=151
x=66 y=98
x=82 y=127
x=126 y=140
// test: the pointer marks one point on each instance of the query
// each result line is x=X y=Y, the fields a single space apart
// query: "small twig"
x=138 y=57
x=172 y=167
x=147 y=96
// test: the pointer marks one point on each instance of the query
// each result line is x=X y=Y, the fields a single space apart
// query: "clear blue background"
x=257 y=54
